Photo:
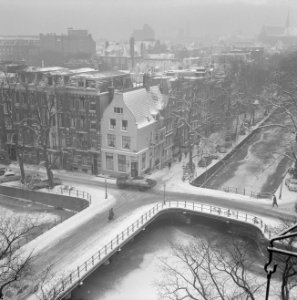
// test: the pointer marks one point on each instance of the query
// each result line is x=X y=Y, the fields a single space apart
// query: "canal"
x=258 y=165
x=134 y=273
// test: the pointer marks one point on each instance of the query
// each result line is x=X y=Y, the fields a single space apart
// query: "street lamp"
x=106 y=196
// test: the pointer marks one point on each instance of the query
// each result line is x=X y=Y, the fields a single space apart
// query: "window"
x=82 y=102
x=112 y=124
x=111 y=140
x=143 y=160
x=93 y=106
x=109 y=161
x=118 y=110
x=93 y=125
x=124 y=125
x=126 y=141
x=122 y=163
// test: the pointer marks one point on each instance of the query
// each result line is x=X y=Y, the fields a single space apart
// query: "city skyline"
x=117 y=19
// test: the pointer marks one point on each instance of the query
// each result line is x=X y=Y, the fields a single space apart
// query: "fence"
x=72 y=192
x=81 y=272
x=243 y=191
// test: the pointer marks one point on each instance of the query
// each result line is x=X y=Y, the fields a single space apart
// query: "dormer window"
x=118 y=110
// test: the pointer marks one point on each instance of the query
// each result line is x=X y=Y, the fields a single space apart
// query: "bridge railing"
x=73 y=279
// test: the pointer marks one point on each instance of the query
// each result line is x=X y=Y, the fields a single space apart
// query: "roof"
x=141 y=105
x=159 y=100
x=101 y=75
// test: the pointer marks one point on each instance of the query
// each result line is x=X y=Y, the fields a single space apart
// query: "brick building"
x=79 y=98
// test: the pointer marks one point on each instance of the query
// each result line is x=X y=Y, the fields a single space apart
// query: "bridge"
x=62 y=289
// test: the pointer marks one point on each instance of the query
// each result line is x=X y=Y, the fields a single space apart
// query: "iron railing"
x=75 y=277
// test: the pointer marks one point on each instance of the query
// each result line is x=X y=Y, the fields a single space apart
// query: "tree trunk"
x=48 y=168
x=21 y=165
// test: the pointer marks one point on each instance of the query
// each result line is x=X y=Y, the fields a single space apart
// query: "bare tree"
x=12 y=123
x=14 y=265
x=203 y=271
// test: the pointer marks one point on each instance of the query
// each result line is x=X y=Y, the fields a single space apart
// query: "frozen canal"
x=133 y=273
x=258 y=165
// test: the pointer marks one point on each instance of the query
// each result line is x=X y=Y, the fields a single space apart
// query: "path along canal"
x=135 y=271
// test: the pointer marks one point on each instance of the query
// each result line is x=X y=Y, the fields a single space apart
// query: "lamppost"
x=164 y=200
x=106 y=196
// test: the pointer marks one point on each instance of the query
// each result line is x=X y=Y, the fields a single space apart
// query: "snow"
x=99 y=204
x=38 y=217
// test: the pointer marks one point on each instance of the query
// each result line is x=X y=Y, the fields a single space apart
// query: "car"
x=291 y=183
x=9 y=173
x=44 y=184
x=139 y=183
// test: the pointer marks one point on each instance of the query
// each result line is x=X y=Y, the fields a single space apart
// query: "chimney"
x=132 y=53
x=146 y=81
x=111 y=93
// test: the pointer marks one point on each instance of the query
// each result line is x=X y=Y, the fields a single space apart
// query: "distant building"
x=55 y=49
x=272 y=35
x=144 y=34
x=19 y=48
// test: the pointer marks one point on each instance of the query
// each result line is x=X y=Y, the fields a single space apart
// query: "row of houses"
x=101 y=123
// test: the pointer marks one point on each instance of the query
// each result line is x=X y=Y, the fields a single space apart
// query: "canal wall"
x=55 y=200
x=202 y=179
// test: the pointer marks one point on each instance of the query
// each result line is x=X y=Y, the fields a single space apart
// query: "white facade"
x=128 y=128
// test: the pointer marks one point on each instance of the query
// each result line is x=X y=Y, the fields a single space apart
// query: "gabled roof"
x=141 y=105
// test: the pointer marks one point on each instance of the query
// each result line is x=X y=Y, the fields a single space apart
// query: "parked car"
x=291 y=183
x=45 y=184
x=139 y=183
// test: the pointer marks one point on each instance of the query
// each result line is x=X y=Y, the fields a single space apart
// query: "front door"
x=134 y=168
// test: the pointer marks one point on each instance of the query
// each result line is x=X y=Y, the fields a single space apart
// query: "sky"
x=116 y=19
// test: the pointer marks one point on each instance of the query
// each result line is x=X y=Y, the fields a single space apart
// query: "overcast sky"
x=116 y=19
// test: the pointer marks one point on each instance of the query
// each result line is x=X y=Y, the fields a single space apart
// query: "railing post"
x=70 y=278
x=93 y=262
x=86 y=266
x=237 y=215
x=142 y=220
x=185 y=203
x=210 y=209
x=99 y=255
x=111 y=244
x=117 y=239
x=78 y=274
x=105 y=250
x=63 y=285
x=246 y=217
x=201 y=207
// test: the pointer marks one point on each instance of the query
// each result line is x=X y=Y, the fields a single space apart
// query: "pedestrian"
x=274 y=201
x=110 y=214
x=169 y=165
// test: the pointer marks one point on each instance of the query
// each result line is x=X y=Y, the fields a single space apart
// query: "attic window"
x=118 y=110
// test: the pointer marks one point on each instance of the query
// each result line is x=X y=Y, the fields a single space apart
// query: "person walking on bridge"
x=274 y=201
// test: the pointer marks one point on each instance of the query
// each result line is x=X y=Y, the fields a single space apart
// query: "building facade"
x=75 y=98
x=129 y=127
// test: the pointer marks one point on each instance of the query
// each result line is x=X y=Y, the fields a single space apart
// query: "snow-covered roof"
x=141 y=105
x=159 y=100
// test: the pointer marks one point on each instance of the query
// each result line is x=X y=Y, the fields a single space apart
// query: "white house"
x=128 y=129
